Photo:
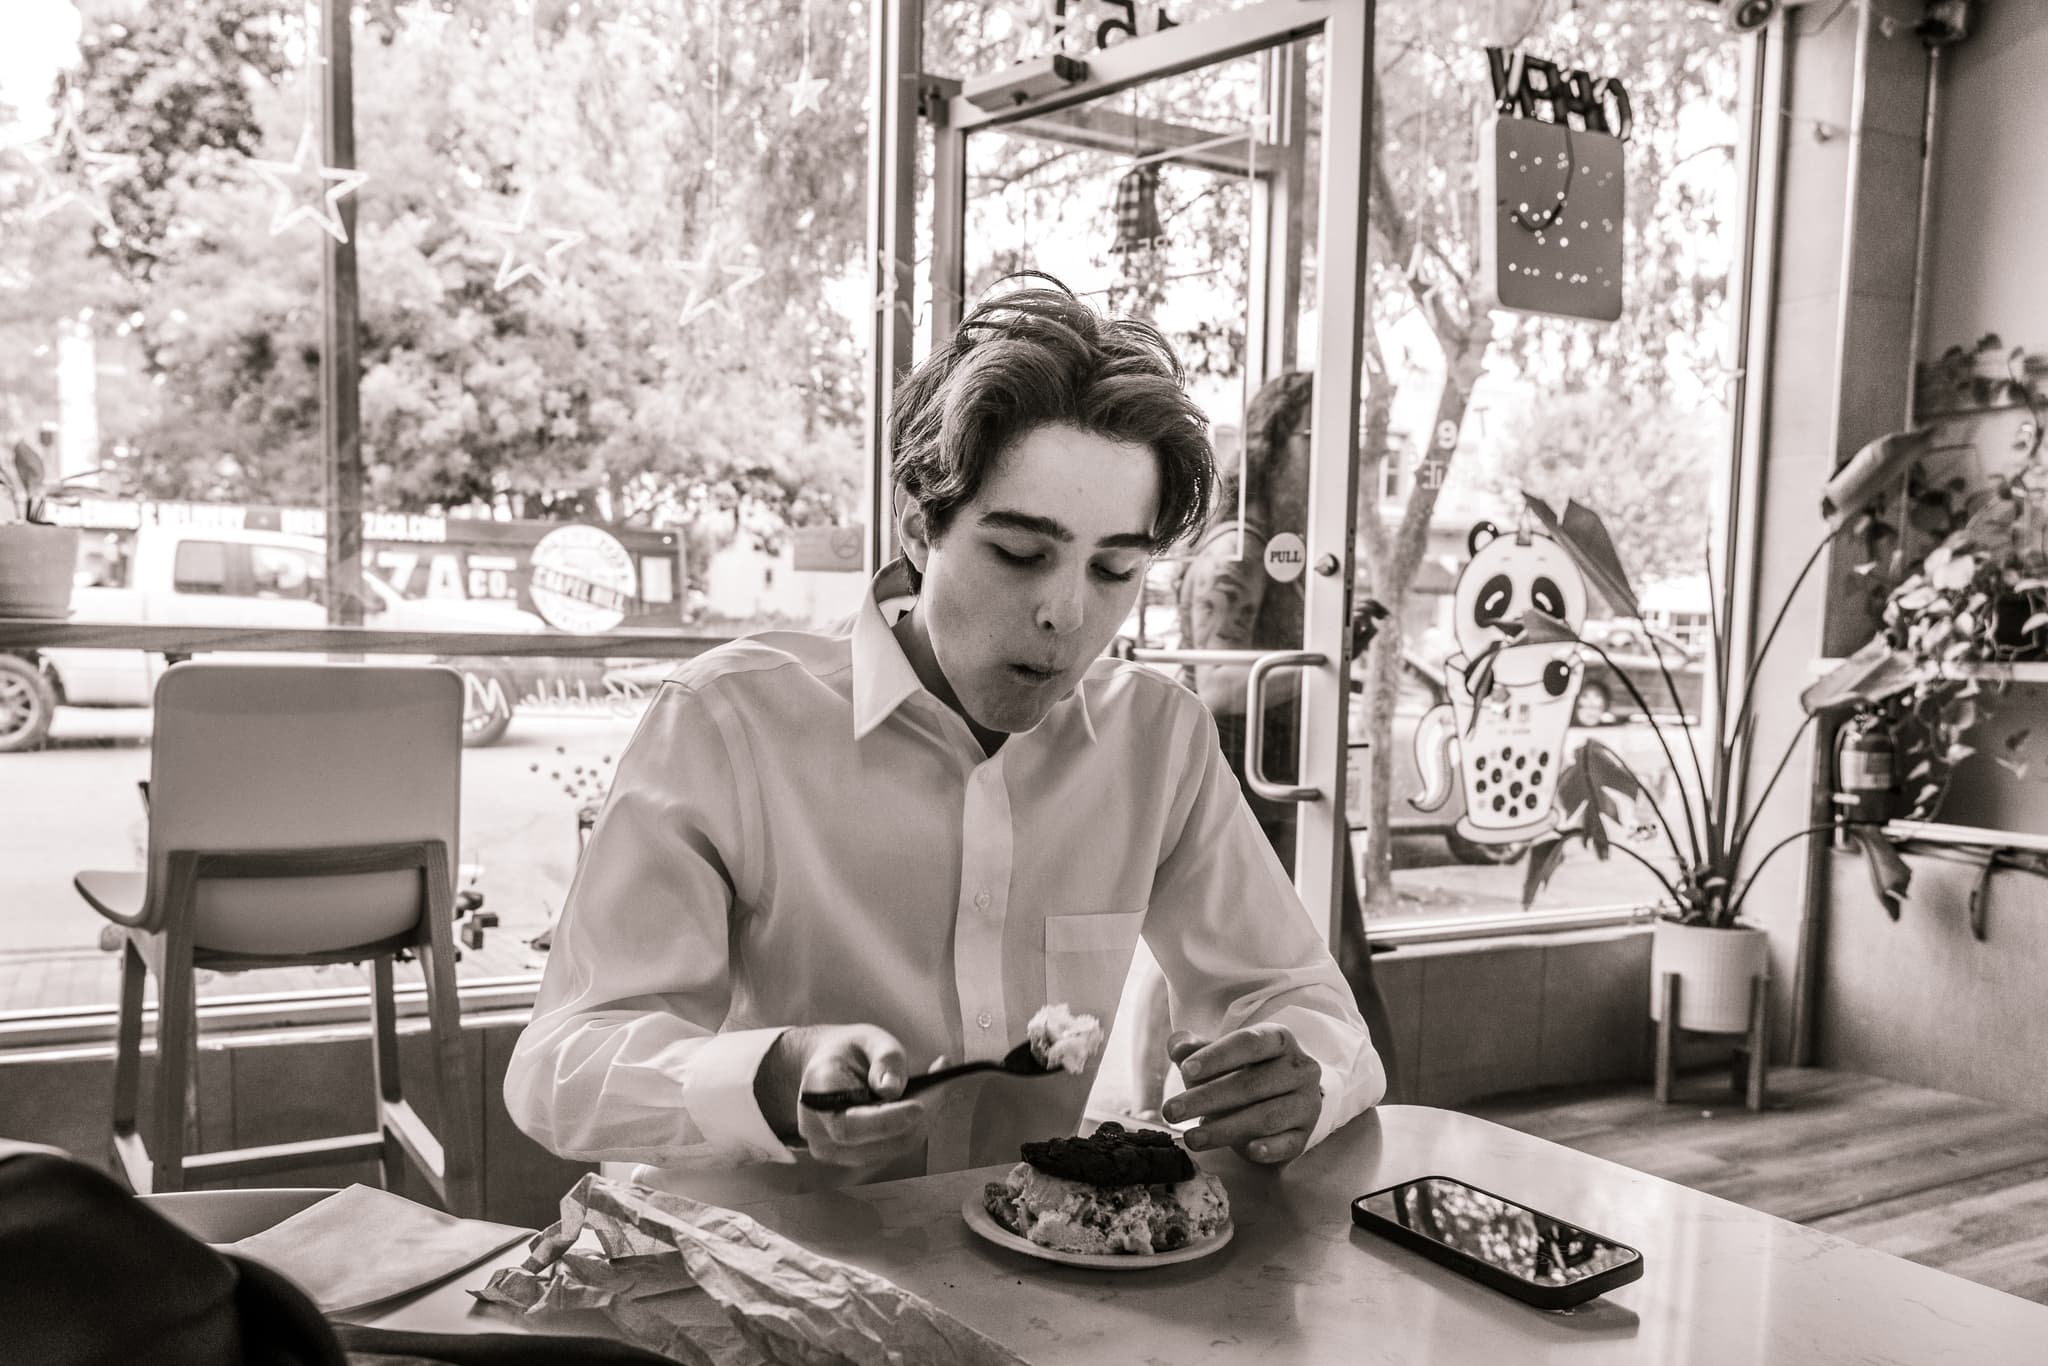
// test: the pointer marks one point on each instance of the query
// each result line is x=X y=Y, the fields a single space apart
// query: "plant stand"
x=1747 y=1071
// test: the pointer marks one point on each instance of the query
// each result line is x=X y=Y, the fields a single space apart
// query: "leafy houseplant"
x=1977 y=601
x=37 y=559
x=1709 y=835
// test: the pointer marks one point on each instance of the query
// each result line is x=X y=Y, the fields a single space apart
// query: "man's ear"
x=913 y=533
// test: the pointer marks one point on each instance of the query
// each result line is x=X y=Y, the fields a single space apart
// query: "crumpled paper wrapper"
x=711 y=1287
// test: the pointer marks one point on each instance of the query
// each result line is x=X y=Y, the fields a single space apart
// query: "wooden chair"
x=298 y=814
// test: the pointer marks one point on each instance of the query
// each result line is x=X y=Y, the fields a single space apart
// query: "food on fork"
x=1133 y=1191
x=1062 y=1040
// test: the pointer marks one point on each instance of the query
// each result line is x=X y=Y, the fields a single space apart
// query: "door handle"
x=1255 y=729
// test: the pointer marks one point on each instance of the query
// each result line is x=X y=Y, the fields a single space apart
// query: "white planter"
x=1714 y=970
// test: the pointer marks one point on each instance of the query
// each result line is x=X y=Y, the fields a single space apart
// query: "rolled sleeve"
x=623 y=1059
x=717 y=1076
x=1235 y=944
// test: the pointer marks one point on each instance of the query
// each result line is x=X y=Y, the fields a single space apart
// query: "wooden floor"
x=1938 y=1179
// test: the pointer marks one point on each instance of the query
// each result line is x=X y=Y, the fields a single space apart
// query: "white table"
x=1299 y=1286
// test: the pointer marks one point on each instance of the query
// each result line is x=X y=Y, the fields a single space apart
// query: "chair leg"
x=384 y=1064
x=176 y=1031
x=1667 y=1038
x=130 y=1155
x=1759 y=1041
x=462 y=1174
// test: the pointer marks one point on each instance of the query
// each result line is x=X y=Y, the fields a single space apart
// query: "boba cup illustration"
x=1506 y=747
x=1506 y=744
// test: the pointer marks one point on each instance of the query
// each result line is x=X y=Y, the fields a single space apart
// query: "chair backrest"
x=251 y=757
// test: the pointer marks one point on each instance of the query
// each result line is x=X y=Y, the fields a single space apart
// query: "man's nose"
x=1060 y=610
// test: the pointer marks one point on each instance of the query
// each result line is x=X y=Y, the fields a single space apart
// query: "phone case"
x=1540 y=1296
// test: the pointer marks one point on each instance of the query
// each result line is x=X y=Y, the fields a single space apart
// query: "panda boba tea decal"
x=1502 y=734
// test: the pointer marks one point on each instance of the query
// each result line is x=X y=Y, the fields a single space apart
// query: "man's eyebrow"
x=1006 y=519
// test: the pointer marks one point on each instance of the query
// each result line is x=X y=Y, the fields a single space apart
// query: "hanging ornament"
x=806 y=90
x=1138 y=227
x=890 y=297
x=716 y=275
x=531 y=252
x=307 y=191
x=85 y=183
x=713 y=279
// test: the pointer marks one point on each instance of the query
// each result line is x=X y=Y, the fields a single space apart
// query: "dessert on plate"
x=1133 y=1191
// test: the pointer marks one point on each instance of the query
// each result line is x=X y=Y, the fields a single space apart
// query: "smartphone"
x=1535 y=1257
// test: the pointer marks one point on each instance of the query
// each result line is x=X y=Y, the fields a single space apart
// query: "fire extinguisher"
x=1865 y=789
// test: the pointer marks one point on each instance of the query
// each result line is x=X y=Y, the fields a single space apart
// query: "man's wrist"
x=776 y=1082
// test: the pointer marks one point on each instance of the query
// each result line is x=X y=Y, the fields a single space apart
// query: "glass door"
x=1206 y=177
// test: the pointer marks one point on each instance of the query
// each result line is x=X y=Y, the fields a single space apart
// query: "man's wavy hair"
x=1034 y=356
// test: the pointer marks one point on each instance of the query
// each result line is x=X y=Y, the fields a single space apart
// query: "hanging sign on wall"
x=1551 y=187
x=1080 y=27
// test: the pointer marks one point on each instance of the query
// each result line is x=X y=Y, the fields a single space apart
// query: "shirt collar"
x=882 y=675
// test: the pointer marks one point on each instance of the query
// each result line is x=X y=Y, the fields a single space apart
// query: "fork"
x=1018 y=1062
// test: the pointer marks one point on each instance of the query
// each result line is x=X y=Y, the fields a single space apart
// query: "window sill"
x=88 y=1026
x=1511 y=926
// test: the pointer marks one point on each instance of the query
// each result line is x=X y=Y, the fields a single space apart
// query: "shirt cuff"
x=718 y=1093
x=1351 y=1084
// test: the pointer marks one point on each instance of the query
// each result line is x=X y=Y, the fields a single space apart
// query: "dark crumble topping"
x=1113 y=1156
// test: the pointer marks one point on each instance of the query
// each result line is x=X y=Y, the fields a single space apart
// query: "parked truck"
x=222 y=575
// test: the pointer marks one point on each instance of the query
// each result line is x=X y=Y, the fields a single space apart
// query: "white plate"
x=983 y=1223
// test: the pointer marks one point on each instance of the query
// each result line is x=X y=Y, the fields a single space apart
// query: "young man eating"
x=830 y=859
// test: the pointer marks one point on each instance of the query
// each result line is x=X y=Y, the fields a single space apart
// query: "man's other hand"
x=840 y=1058
x=1254 y=1090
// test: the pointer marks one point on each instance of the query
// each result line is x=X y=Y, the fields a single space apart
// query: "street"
x=75 y=806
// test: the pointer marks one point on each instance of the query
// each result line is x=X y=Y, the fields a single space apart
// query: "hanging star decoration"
x=805 y=92
x=713 y=280
x=1719 y=379
x=890 y=297
x=90 y=174
x=307 y=192
x=532 y=252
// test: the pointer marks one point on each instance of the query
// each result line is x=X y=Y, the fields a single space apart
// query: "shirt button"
x=981 y=900
x=984 y=1019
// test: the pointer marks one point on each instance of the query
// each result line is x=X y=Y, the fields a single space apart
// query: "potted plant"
x=1700 y=932
x=37 y=559
x=1976 y=603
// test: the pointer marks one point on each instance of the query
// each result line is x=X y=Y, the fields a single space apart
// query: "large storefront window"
x=1470 y=408
x=614 y=293
x=611 y=265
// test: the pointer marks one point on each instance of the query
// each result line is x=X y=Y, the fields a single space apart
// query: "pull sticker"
x=1286 y=557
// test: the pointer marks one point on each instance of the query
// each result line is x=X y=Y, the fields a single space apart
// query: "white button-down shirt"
x=799 y=833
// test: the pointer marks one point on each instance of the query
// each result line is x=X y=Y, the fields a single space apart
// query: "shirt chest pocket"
x=1087 y=958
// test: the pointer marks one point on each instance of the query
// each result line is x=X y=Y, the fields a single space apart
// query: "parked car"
x=209 y=576
x=1604 y=698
